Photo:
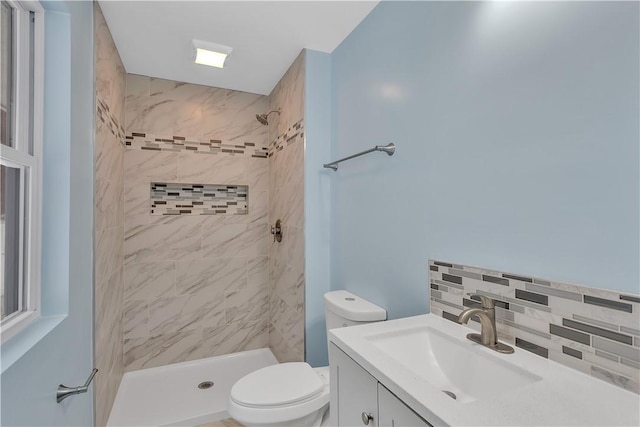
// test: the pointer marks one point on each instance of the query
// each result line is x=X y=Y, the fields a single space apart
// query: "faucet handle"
x=487 y=302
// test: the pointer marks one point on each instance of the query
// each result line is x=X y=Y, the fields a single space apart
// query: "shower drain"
x=205 y=385
x=450 y=394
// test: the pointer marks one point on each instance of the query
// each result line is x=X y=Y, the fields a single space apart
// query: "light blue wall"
x=517 y=126
x=57 y=164
x=65 y=353
x=316 y=202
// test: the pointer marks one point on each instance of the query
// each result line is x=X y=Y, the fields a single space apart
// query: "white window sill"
x=12 y=350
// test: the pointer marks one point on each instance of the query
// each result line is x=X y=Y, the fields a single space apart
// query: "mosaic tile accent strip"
x=595 y=331
x=294 y=134
x=103 y=113
x=198 y=199
x=146 y=141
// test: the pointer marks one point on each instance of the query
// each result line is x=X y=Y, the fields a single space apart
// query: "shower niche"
x=174 y=198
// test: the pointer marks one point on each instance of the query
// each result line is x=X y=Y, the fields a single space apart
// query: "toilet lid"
x=277 y=385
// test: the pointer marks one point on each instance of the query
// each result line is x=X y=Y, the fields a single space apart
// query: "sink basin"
x=420 y=358
x=455 y=366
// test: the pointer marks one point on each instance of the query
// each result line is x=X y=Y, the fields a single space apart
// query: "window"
x=21 y=61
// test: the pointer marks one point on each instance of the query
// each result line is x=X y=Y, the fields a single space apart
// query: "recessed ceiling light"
x=210 y=54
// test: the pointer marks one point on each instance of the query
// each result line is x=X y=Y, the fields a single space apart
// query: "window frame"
x=27 y=119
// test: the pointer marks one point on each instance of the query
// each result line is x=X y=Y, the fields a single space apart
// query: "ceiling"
x=154 y=37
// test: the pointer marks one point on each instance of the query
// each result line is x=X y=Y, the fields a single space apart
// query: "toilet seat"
x=277 y=385
x=278 y=393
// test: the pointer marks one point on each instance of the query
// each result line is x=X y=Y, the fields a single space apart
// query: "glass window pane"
x=6 y=81
x=10 y=232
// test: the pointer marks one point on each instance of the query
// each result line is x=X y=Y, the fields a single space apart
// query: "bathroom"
x=516 y=166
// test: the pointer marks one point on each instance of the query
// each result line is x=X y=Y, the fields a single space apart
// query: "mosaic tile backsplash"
x=152 y=142
x=292 y=135
x=172 y=198
x=592 y=330
x=146 y=141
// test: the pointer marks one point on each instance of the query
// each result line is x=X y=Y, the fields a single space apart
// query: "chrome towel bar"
x=389 y=149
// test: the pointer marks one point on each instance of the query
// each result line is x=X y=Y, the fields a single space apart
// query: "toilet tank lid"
x=352 y=307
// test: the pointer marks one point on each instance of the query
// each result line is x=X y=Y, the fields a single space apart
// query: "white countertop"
x=564 y=397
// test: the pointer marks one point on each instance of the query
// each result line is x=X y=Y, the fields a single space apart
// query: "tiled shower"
x=108 y=218
x=188 y=183
x=197 y=281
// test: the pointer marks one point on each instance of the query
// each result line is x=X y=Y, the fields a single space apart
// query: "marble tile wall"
x=286 y=259
x=194 y=286
x=594 y=331
x=109 y=218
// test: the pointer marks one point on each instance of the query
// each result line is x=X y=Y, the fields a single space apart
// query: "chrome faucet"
x=488 y=336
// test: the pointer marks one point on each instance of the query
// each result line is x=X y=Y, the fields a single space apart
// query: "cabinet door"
x=393 y=413
x=353 y=392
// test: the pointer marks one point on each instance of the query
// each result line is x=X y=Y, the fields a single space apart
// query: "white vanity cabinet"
x=358 y=399
x=413 y=356
x=393 y=413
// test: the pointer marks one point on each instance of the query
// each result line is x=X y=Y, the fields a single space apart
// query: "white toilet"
x=295 y=394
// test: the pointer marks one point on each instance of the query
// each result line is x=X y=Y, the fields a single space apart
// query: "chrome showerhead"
x=262 y=118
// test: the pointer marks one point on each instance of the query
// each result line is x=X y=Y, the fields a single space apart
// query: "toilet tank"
x=342 y=308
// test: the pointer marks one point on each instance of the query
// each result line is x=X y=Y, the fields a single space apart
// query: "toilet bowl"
x=294 y=393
